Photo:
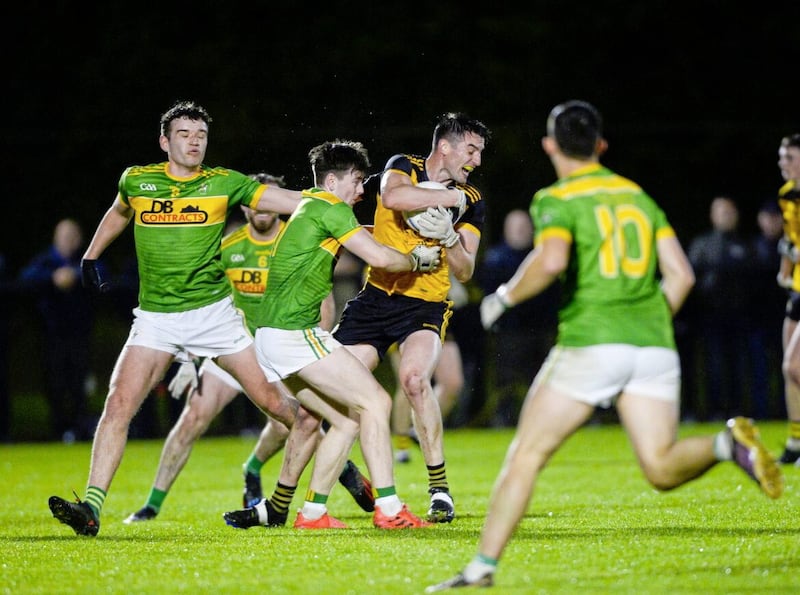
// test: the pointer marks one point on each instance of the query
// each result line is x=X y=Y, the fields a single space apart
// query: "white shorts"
x=598 y=374
x=209 y=367
x=281 y=353
x=216 y=329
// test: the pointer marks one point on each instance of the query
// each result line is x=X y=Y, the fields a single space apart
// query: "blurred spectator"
x=53 y=279
x=721 y=258
x=522 y=337
x=767 y=311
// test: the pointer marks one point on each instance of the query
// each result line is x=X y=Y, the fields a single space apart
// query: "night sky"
x=696 y=97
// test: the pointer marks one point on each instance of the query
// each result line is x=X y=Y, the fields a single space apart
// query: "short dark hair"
x=791 y=140
x=337 y=157
x=454 y=125
x=268 y=179
x=577 y=126
x=183 y=109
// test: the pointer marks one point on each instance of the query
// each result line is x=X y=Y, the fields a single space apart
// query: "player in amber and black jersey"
x=411 y=309
x=789 y=277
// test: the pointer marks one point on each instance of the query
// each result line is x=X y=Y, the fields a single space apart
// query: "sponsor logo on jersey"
x=164 y=212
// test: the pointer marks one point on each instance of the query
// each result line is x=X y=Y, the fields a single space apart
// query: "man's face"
x=187 y=142
x=350 y=187
x=262 y=221
x=463 y=156
x=789 y=163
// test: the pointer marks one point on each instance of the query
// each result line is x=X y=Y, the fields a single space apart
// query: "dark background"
x=696 y=97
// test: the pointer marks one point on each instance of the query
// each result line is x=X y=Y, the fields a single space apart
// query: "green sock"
x=95 y=497
x=253 y=465
x=155 y=499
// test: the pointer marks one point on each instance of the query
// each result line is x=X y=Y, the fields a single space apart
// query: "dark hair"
x=337 y=157
x=791 y=140
x=454 y=125
x=183 y=109
x=576 y=126
x=265 y=178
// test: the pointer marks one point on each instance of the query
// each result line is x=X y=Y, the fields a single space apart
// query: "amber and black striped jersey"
x=789 y=201
x=391 y=229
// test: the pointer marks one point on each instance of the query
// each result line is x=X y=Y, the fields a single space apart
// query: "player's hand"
x=461 y=203
x=437 y=224
x=493 y=306
x=425 y=258
x=789 y=250
x=785 y=281
x=90 y=276
x=186 y=380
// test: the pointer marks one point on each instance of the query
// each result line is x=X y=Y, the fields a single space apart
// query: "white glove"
x=437 y=224
x=493 y=306
x=185 y=378
x=785 y=282
x=789 y=250
x=425 y=258
x=461 y=205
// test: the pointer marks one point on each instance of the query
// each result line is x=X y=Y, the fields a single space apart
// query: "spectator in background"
x=721 y=259
x=53 y=279
x=767 y=311
x=521 y=338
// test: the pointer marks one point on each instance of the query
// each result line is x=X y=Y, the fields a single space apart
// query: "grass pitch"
x=593 y=526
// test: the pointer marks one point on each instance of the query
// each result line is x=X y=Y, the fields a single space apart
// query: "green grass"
x=593 y=526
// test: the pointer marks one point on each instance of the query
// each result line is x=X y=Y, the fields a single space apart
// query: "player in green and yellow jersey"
x=292 y=346
x=245 y=258
x=624 y=274
x=178 y=208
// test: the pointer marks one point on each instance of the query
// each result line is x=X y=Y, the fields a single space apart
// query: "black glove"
x=90 y=276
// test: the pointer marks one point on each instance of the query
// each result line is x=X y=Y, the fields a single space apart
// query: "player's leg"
x=332 y=450
x=419 y=356
x=340 y=378
x=547 y=419
x=650 y=412
x=244 y=367
x=299 y=447
x=270 y=441
x=448 y=377
x=791 y=375
x=135 y=373
x=401 y=421
x=202 y=406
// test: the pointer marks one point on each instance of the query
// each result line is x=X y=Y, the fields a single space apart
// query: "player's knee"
x=305 y=422
x=659 y=476
x=791 y=371
x=414 y=385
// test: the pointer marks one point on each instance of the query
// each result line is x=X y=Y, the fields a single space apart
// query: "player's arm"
x=537 y=272
x=462 y=255
x=789 y=257
x=280 y=200
x=399 y=193
x=327 y=311
x=113 y=223
x=541 y=267
x=677 y=275
x=362 y=244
